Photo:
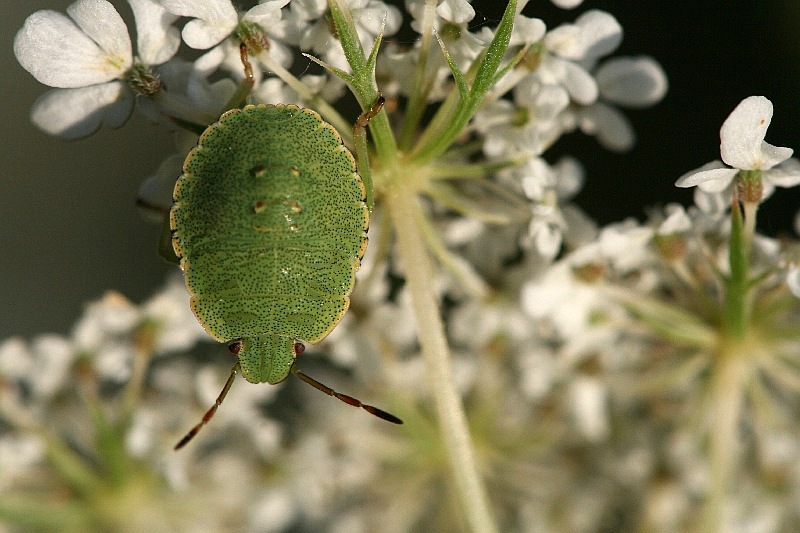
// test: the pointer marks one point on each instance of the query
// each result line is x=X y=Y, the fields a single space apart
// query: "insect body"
x=270 y=222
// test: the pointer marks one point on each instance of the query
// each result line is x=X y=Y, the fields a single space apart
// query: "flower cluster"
x=642 y=375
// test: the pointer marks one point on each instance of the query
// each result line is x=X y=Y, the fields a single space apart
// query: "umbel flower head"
x=552 y=374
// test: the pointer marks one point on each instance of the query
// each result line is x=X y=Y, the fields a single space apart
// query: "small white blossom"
x=88 y=57
x=567 y=4
x=308 y=26
x=742 y=147
x=793 y=280
x=588 y=400
x=628 y=82
x=215 y=22
x=594 y=34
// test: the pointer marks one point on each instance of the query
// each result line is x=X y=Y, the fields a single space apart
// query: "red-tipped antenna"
x=210 y=413
x=380 y=413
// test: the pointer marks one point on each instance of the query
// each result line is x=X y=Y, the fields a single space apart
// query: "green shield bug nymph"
x=270 y=223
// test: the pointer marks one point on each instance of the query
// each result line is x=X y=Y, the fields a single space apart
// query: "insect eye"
x=299 y=348
x=235 y=347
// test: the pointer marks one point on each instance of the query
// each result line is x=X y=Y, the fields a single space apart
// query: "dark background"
x=69 y=230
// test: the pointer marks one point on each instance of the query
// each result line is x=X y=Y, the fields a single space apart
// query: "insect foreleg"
x=246 y=85
x=362 y=151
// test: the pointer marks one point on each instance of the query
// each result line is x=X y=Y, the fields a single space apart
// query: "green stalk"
x=434 y=143
x=735 y=319
x=362 y=80
x=726 y=404
x=419 y=93
x=730 y=373
x=450 y=412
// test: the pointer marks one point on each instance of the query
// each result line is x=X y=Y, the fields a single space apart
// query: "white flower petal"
x=793 y=280
x=546 y=237
x=266 y=12
x=200 y=34
x=527 y=31
x=155 y=193
x=78 y=112
x=57 y=53
x=456 y=11
x=773 y=155
x=156 y=39
x=632 y=81
x=214 y=10
x=713 y=203
x=742 y=135
x=787 y=174
x=214 y=20
x=579 y=83
x=611 y=128
x=677 y=221
x=567 y=4
x=565 y=41
x=100 y=21
x=570 y=176
x=708 y=180
x=371 y=19
x=589 y=407
x=56 y=354
x=601 y=34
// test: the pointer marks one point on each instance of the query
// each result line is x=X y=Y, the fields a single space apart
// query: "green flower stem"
x=726 y=401
x=362 y=80
x=461 y=270
x=451 y=418
x=475 y=170
x=730 y=373
x=416 y=102
x=750 y=212
x=735 y=317
x=434 y=142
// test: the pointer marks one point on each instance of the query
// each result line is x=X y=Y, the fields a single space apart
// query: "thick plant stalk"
x=727 y=402
x=451 y=418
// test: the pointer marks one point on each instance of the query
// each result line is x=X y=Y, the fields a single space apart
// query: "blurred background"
x=69 y=229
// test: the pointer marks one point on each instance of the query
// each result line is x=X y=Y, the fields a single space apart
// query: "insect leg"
x=380 y=413
x=362 y=151
x=246 y=85
x=210 y=413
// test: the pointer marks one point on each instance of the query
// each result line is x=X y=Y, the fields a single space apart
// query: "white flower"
x=567 y=4
x=529 y=125
x=627 y=82
x=308 y=25
x=88 y=57
x=548 y=187
x=594 y=34
x=589 y=398
x=215 y=20
x=44 y=364
x=178 y=329
x=793 y=279
x=218 y=26
x=742 y=147
x=633 y=82
x=677 y=221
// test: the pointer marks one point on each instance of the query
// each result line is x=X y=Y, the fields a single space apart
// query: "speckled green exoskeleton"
x=270 y=223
